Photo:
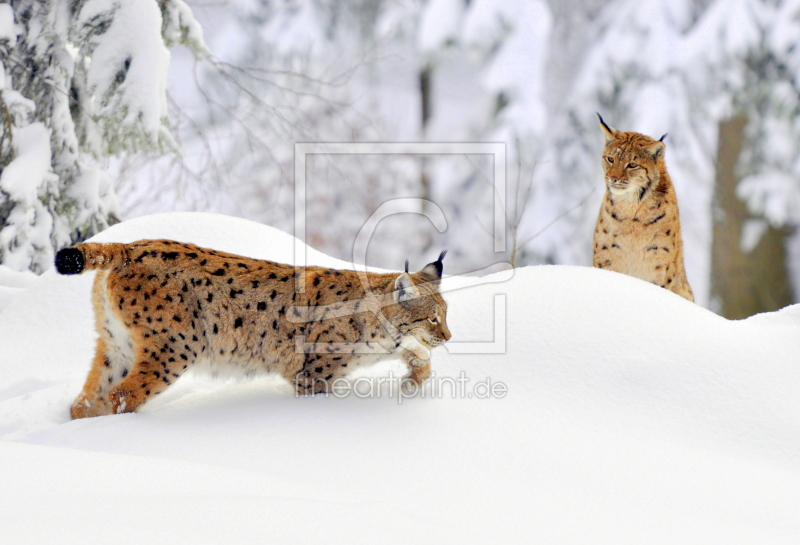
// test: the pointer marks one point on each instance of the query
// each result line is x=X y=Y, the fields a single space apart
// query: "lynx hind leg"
x=152 y=373
x=113 y=356
x=92 y=401
x=316 y=373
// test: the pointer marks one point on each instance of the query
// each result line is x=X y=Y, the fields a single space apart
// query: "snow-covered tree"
x=79 y=81
x=285 y=72
x=491 y=57
x=371 y=70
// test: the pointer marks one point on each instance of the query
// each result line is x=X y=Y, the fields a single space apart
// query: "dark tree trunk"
x=743 y=283
x=426 y=104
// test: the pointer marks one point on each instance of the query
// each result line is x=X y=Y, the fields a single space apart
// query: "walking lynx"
x=162 y=307
x=638 y=230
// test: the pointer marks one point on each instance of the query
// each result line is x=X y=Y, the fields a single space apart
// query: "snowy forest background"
x=111 y=109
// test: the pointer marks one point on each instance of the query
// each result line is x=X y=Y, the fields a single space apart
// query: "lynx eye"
x=434 y=320
x=610 y=160
x=633 y=165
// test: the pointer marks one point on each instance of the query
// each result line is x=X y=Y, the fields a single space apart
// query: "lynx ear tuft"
x=434 y=270
x=609 y=132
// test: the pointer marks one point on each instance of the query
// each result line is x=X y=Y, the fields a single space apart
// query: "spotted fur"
x=638 y=231
x=163 y=307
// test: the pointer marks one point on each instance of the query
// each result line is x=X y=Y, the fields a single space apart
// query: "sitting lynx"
x=162 y=307
x=638 y=231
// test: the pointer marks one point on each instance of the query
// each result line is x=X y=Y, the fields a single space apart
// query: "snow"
x=22 y=178
x=130 y=54
x=16 y=279
x=7 y=26
x=12 y=283
x=440 y=24
x=7 y=295
x=298 y=25
x=180 y=26
x=752 y=231
x=519 y=66
x=24 y=236
x=631 y=416
x=773 y=194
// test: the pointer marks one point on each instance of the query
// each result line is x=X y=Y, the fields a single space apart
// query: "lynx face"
x=424 y=319
x=419 y=309
x=631 y=163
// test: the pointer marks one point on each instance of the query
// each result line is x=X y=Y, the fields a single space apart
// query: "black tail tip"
x=69 y=261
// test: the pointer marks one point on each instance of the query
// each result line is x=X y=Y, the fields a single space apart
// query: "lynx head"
x=632 y=162
x=418 y=308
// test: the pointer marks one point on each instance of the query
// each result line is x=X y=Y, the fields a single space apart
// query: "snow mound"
x=627 y=415
x=12 y=283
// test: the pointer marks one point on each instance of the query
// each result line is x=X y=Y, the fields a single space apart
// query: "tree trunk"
x=743 y=283
x=426 y=105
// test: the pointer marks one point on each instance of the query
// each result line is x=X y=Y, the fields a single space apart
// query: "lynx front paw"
x=83 y=408
x=122 y=401
x=409 y=387
x=419 y=374
x=414 y=381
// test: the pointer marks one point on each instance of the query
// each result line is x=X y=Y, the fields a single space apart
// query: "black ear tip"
x=438 y=264
x=406 y=265
x=663 y=137
x=604 y=124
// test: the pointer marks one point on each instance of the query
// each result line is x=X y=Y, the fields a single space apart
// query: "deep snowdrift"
x=12 y=283
x=631 y=416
